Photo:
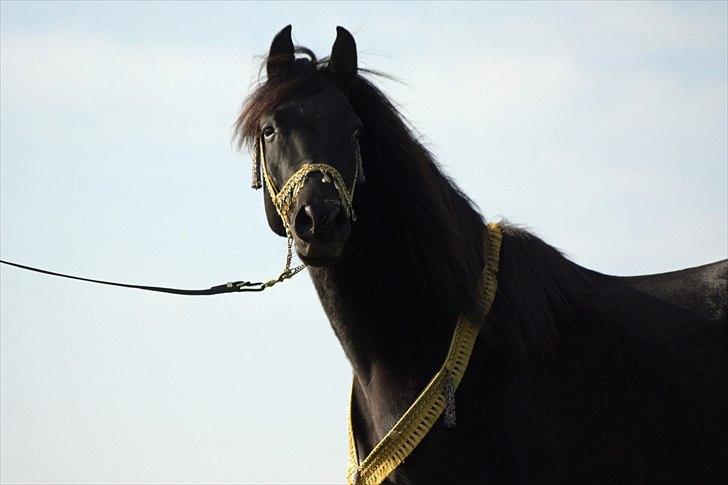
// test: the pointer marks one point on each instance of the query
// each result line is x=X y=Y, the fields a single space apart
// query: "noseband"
x=285 y=199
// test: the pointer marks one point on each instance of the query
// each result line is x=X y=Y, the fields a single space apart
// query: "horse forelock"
x=303 y=79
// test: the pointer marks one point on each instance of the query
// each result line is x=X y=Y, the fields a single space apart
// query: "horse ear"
x=281 y=54
x=343 y=63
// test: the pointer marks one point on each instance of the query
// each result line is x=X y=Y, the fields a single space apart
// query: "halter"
x=285 y=199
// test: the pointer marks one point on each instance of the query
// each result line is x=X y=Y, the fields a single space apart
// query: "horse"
x=574 y=377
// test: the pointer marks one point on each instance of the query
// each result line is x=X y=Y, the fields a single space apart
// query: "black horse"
x=576 y=377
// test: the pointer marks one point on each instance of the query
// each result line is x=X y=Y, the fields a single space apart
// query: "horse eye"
x=268 y=132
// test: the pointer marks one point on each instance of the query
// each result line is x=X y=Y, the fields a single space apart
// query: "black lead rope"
x=232 y=287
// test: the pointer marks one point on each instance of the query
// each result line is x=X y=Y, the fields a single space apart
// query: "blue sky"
x=600 y=126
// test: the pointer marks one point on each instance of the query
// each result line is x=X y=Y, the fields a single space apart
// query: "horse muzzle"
x=320 y=228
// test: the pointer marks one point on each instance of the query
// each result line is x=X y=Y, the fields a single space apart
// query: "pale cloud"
x=111 y=85
x=636 y=29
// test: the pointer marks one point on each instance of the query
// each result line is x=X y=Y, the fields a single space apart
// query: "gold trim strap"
x=415 y=423
x=283 y=200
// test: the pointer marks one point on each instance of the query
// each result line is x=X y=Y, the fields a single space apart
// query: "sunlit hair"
x=303 y=79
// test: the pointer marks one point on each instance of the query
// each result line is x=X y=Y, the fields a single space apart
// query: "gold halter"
x=417 y=421
x=284 y=199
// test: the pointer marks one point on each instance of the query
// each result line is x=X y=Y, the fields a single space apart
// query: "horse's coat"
x=577 y=377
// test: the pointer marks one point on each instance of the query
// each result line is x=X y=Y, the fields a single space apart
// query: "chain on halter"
x=284 y=199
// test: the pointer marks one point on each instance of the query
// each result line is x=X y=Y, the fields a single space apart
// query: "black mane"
x=434 y=226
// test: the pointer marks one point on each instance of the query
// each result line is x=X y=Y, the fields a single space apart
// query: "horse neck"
x=391 y=324
x=381 y=316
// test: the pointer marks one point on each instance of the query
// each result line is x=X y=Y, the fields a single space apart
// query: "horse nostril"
x=333 y=213
x=304 y=222
x=328 y=211
x=311 y=214
x=317 y=218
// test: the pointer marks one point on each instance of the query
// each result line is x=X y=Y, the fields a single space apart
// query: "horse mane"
x=435 y=229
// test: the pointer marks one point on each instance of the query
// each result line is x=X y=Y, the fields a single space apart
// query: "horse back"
x=701 y=290
x=651 y=376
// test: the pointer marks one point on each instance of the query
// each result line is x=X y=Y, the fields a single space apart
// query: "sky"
x=601 y=127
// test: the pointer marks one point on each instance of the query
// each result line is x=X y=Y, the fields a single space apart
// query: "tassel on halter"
x=450 y=419
x=256 y=181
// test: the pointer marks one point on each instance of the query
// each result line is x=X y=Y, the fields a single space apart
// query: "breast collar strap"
x=417 y=421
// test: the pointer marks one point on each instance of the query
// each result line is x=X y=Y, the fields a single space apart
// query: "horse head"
x=304 y=134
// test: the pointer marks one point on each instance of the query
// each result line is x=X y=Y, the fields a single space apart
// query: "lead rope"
x=282 y=200
x=231 y=287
